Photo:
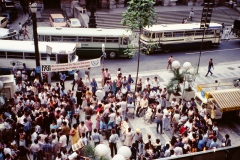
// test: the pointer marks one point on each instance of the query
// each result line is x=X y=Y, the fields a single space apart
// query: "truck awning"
x=227 y=100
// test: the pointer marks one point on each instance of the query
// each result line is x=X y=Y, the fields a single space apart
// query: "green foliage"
x=139 y=14
x=88 y=151
x=174 y=83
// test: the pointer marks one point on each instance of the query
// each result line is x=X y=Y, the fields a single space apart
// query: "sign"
x=38 y=69
x=49 y=50
x=71 y=66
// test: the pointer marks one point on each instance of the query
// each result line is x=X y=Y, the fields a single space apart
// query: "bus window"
x=217 y=32
x=199 y=33
x=189 y=33
x=125 y=40
x=98 y=39
x=15 y=55
x=41 y=38
x=62 y=58
x=56 y=38
x=29 y=56
x=47 y=38
x=2 y=54
x=53 y=57
x=70 y=38
x=159 y=35
x=209 y=32
x=177 y=34
x=153 y=35
x=85 y=39
x=167 y=34
x=112 y=39
x=43 y=56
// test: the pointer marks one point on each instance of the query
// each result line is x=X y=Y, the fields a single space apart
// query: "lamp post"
x=92 y=18
x=33 y=8
x=205 y=23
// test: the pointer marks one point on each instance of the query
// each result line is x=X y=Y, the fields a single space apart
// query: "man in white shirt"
x=119 y=95
x=178 y=150
x=62 y=142
x=152 y=96
x=143 y=105
x=155 y=84
x=76 y=77
x=123 y=105
x=165 y=119
x=111 y=118
x=35 y=148
x=167 y=152
x=147 y=82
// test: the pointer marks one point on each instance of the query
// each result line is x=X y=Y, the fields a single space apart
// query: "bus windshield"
x=146 y=34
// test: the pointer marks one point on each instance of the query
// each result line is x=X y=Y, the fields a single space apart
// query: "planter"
x=175 y=96
x=187 y=95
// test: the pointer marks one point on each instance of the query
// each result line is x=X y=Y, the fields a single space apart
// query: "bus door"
x=62 y=58
x=217 y=36
x=124 y=42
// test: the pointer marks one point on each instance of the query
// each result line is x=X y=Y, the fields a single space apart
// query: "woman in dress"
x=129 y=138
x=74 y=133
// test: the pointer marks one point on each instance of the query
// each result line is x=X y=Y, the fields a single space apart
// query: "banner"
x=71 y=66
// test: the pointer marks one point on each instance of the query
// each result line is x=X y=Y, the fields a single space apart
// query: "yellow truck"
x=227 y=101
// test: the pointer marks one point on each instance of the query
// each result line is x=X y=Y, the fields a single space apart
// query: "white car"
x=73 y=23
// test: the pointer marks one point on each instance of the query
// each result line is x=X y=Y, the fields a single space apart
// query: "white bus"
x=19 y=52
x=165 y=37
x=8 y=34
x=91 y=39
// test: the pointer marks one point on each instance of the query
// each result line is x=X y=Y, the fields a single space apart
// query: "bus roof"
x=88 y=32
x=28 y=46
x=179 y=27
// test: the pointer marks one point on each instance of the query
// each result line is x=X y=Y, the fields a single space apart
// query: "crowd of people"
x=51 y=122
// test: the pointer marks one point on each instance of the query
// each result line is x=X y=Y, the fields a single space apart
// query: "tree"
x=139 y=14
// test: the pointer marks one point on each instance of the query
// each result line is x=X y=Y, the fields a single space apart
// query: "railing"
x=225 y=153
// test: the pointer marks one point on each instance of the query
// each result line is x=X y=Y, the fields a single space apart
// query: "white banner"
x=71 y=66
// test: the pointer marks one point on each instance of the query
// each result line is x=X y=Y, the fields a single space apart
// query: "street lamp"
x=33 y=8
x=176 y=65
x=101 y=150
x=186 y=66
x=125 y=151
x=205 y=23
x=118 y=157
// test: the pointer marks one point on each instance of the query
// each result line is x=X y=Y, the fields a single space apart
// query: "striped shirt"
x=47 y=148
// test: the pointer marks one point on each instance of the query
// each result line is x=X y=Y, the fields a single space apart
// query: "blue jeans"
x=159 y=123
x=35 y=155
x=110 y=124
x=209 y=71
x=123 y=114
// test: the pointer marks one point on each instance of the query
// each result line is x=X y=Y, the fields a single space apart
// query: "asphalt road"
x=227 y=51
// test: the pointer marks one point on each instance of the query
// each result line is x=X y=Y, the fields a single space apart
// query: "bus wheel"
x=166 y=48
x=112 y=55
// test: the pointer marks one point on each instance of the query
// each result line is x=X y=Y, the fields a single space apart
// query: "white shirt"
x=123 y=105
x=156 y=83
x=111 y=117
x=178 y=150
x=75 y=76
x=63 y=141
x=147 y=82
x=152 y=94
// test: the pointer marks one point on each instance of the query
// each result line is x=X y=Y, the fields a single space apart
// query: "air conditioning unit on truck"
x=226 y=101
x=236 y=28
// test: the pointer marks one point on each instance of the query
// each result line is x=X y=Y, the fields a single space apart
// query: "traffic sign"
x=48 y=50
x=38 y=69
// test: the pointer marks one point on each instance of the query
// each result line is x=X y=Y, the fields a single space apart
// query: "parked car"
x=57 y=20
x=3 y=22
x=73 y=23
